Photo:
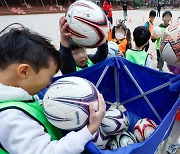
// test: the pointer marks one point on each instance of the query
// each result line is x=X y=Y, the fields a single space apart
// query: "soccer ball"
x=121 y=140
x=157 y=32
x=112 y=49
x=170 y=44
x=144 y=128
x=114 y=122
x=66 y=102
x=87 y=24
x=100 y=139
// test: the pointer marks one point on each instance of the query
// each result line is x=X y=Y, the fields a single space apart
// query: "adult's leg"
x=124 y=15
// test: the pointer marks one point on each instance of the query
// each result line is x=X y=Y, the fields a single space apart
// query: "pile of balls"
x=114 y=130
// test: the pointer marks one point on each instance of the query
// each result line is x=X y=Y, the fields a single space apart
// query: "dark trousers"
x=158 y=13
x=160 y=61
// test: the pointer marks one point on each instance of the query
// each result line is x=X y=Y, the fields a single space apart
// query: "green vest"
x=89 y=63
x=35 y=111
x=159 y=39
x=137 y=56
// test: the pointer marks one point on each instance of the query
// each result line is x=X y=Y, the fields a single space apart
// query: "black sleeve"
x=69 y=64
x=101 y=54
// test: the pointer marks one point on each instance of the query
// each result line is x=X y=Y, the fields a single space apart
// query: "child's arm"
x=21 y=134
x=148 y=61
x=101 y=53
x=122 y=46
x=147 y=25
x=69 y=64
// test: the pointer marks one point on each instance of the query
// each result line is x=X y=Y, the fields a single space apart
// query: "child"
x=137 y=55
x=107 y=7
x=122 y=36
x=149 y=25
x=109 y=38
x=27 y=63
x=75 y=58
x=166 y=17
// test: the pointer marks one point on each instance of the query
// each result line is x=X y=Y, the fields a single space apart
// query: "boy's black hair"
x=74 y=46
x=20 y=45
x=108 y=1
x=141 y=35
x=166 y=13
x=152 y=13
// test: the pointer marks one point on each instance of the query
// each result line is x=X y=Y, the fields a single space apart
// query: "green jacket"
x=137 y=56
x=159 y=39
x=89 y=63
x=35 y=111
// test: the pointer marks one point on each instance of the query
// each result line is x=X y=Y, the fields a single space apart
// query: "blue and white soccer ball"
x=112 y=49
x=114 y=122
x=121 y=140
x=66 y=102
x=100 y=139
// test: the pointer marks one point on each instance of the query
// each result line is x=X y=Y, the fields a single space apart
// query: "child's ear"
x=23 y=70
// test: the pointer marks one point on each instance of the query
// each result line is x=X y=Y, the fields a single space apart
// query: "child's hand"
x=65 y=35
x=150 y=55
x=153 y=39
x=96 y=117
x=120 y=54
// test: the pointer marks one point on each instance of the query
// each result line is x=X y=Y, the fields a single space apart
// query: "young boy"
x=166 y=17
x=149 y=25
x=137 y=55
x=27 y=63
x=74 y=57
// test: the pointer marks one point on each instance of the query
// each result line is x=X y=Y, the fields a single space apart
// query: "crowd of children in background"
x=76 y=58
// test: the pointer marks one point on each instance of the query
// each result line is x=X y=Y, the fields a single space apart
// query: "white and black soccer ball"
x=100 y=139
x=157 y=32
x=170 y=44
x=87 y=24
x=114 y=122
x=121 y=140
x=66 y=102
x=144 y=128
x=112 y=49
